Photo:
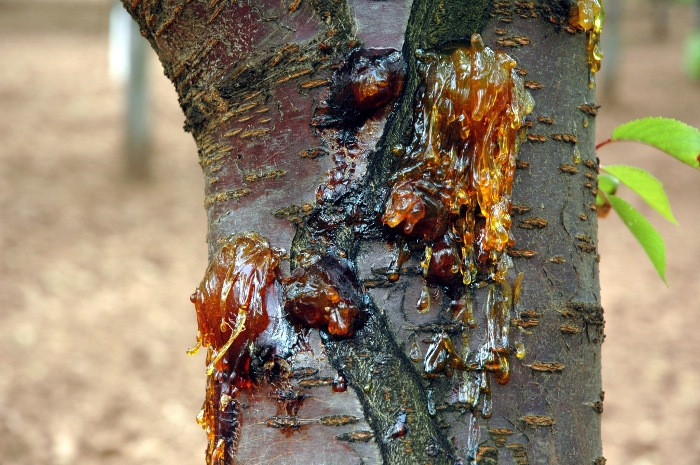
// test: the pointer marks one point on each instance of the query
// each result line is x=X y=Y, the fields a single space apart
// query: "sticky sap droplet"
x=487 y=406
x=194 y=349
x=415 y=353
x=424 y=300
x=431 y=403
x=200 y=419
x=340 y=383
x=425 y=264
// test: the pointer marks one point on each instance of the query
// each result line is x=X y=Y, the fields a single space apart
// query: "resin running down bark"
x=245 y=311
x=233 y=299
x=454 y=186
x=238 y=299
x=453 y=192
x=368 y=346
x=589 y=15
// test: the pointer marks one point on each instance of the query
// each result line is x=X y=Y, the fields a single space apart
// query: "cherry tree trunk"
x=303 y=112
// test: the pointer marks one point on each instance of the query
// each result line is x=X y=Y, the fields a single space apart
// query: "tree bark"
x=254 y=79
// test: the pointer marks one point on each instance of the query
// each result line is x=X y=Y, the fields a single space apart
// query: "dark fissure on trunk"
x=295 y=149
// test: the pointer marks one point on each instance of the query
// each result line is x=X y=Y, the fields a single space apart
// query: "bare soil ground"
x=95 y=271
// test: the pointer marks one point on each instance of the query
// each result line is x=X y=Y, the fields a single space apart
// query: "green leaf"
x=608 y=183
x=644 y=232
x=647 y=186
x=673 y=137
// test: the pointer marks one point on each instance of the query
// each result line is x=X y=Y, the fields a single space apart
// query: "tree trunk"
x=290 y=153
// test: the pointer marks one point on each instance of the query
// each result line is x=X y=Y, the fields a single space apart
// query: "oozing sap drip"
x=233 y=304
x=492 y=356
x=496 y=349
x=239 y=306
x=441 y=357
x=453 y=188
x=350 y=120
x=589 y=15
x=453 y=191
x=455 y=182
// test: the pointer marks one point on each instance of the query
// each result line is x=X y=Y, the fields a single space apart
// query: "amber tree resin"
x=454 y=185
x=235 y=302
x=589 y=15
x=453 y=192
x=243 y=305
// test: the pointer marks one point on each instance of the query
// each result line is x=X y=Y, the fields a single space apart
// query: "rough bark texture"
x=251 y=78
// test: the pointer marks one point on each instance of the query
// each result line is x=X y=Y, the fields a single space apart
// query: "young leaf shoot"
x=677 y=139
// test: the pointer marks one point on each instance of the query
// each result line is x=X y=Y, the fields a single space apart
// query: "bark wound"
x=350 y=122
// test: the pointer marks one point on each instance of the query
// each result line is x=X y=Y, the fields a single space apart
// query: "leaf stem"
x=605 y=142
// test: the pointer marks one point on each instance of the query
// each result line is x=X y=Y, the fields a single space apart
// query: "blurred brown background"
x=96 y=270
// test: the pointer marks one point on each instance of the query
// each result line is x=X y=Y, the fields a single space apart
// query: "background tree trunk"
x=250 y=77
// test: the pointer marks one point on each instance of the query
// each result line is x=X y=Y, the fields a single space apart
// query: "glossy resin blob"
x=234 y=303
x=589 y=15
x=322 y=293
x=452 y=192
x=454 y=186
